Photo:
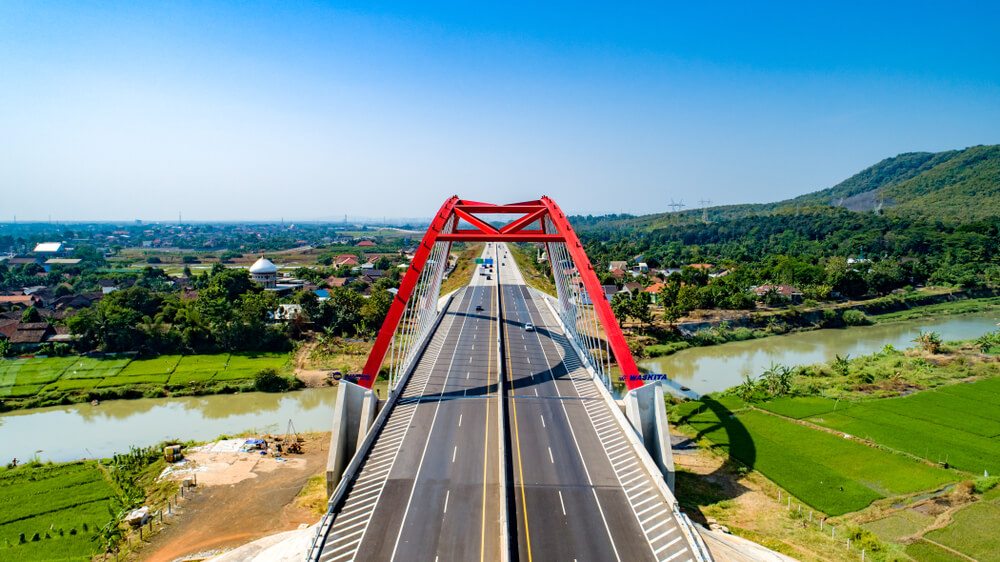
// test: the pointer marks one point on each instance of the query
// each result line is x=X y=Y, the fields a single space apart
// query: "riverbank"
x=239 y=498
x=742 y=326
x=707 y=369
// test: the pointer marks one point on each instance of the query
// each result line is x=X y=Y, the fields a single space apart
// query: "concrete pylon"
x=646 y=411
x=353 y=415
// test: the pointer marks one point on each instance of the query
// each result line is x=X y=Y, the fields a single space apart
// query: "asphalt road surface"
x=430 y=488
x=570 y=496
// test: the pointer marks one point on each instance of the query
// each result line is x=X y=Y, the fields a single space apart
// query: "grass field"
x=465 y=267
x=56 y=508
x=958 y=424
x=973 y=532
x=832 y=474
x=56 y=378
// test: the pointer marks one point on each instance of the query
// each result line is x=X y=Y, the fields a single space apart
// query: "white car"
x=529 y=327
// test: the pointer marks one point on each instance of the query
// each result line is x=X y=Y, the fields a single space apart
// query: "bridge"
x=500 y=438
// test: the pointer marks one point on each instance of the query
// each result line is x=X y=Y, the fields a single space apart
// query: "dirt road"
x=223 y=516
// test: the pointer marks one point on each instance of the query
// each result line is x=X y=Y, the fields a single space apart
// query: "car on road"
x=489 y=277
x=479 y=308
x=529 y=327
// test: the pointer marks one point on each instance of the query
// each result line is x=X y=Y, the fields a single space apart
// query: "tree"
x=884 y=276
x=375 y=308
x=687 y=298
x=639 y=308
x=31 y=314
x=621 y=307
x=309 y=302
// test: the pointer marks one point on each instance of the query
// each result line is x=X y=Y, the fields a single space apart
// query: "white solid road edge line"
x=698 y=547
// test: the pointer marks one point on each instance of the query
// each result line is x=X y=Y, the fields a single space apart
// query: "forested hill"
x=956 y=186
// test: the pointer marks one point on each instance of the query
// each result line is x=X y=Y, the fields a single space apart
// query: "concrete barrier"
x=645 y=409
x=353 y=414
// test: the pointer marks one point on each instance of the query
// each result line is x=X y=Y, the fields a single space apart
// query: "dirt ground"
x=239 y=498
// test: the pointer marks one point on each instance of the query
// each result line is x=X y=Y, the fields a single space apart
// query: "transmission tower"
x=705 y=203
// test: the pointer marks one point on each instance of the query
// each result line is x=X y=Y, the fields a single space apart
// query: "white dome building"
x=264 y=273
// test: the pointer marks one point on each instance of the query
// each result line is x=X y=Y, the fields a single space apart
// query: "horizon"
x=226 y=113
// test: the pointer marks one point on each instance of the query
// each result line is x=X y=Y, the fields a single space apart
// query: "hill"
x=955 y=186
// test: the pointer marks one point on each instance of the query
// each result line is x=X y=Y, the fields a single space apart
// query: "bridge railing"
x=335 y=501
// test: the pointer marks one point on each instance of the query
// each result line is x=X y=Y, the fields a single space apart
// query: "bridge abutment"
x=645 y=409
x=353 y=415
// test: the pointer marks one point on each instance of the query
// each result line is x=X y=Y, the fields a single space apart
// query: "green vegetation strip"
x=830 y=473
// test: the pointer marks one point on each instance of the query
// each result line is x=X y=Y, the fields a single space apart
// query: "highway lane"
x=571 y=501
x=430 y=489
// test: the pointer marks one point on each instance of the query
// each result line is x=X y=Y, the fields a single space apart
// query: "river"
x=718 y=367
x=65 y=433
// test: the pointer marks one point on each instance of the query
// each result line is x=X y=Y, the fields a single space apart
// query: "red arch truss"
x=538 y=221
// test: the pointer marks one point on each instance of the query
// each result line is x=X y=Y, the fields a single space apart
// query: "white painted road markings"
x=551 y=460
x=541 y=417
x=561 y=502
x=453 y=453
x=446 y=496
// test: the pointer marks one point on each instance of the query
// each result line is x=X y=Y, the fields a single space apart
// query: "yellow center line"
x=486 y=448
x=517 y=439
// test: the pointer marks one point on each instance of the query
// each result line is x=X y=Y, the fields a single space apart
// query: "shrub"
x=154 y=393
x=855 y=318
x=741 y=334
x=268 y=380
x=842 y=365
x=986 y=483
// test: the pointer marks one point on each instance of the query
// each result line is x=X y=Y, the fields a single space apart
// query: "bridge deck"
x=580 y=489
x=430 y=488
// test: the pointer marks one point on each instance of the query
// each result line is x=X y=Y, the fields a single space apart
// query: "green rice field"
x=22 y=378
x=832 y=474
x=51 y=512
x=958 y=424
x=973 y=532
x=899 y=525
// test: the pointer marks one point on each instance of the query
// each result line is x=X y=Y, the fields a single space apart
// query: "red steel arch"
x=532 y=213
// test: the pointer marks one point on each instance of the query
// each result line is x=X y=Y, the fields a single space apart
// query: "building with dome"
x=264 y=273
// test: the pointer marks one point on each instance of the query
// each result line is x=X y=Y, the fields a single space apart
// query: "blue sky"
x=122 y=110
